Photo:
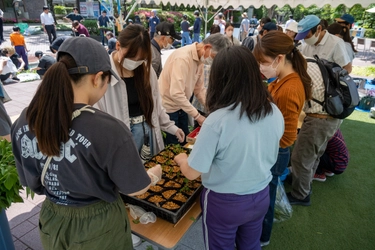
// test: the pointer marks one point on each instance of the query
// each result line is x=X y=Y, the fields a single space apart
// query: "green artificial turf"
x=342 y=211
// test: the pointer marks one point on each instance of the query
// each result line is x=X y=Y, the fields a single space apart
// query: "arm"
x=188 y=171
x=348 y=67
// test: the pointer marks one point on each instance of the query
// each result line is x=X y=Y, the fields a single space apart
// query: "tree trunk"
x=271 y=11
x=50 y=5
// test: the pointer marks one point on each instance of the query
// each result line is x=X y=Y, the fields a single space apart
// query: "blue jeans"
x=196 y=37
x=277 y=170
x=138 y=135
x=102 y=35
x=181 y=120
x=185 y=40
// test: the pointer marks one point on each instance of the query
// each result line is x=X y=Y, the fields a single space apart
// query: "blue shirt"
x=235 y=155
x=153 y=21
x=103 y=21
x=197 y=25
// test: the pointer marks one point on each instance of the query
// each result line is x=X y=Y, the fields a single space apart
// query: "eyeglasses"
x=172 y=39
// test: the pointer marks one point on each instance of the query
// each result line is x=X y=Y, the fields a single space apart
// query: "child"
x=18 y=41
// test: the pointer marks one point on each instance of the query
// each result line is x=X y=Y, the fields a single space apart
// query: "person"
x=48 y=24
x=221 y=22
x=102 y=22
x=234 y=152
x=10 y=52
x=319 y=42
x=1 y=26
x=74 y=16
x=45 y=62
x=245 y=25
x=344 y=33
x=278 y=57
x=5 y=123
x=182 y=76
x=251 y=41
x=135 y=98
x=79 y=28
x=163 y=39
x=72 y=140
x=291 y=20
x=8 y=70
x=213 y=30
x=185 y=25
x=334 y=159
x=262 y=22
x=137 y=19
x=18 y=41
x=54 y=47
x=229 y=33
x=197 y=27
x=111 y=41
x=292 y=30
x=153 y=21
x=346 y=20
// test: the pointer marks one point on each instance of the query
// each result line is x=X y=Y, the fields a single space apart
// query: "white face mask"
x=208 y=60
x=131 y=64
x=313 y=39
x=269 y=71
x=216 y=22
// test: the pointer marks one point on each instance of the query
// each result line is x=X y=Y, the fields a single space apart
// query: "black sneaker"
x=16 y=78
x=295 y=201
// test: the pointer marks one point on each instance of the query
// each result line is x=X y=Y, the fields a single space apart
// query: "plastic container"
x=191 y=138
x=23 y=26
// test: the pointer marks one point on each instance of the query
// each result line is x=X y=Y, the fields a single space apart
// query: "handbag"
x=5 y=98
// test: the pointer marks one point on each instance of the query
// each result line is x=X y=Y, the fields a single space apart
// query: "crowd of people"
x=64 y=149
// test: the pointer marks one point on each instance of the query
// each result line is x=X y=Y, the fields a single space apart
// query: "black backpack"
x=341 y=94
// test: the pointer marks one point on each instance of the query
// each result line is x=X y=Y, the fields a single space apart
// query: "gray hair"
x=218 y=42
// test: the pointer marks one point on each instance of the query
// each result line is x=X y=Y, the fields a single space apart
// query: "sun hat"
x=167 y=29
x=293 y=26
x=89 y=55
x=345 y=18
x=305 y=25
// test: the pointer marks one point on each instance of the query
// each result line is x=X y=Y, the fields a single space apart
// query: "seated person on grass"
x=8 y=71
x=10 y=52
x=45 y=62
x=334 y=160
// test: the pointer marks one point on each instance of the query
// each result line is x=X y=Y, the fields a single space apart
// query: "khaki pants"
x=98 y=226
x=243 y=35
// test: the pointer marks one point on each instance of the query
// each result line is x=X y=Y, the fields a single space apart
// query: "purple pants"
x=21 y=51
x=230 y=218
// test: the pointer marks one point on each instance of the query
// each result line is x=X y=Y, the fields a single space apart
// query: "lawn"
x=342 y=211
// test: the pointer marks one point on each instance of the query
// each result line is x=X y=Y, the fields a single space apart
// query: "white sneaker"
x=265 y=243
x=136 y=240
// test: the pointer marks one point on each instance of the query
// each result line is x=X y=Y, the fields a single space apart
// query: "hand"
x=200 y=120
x=45 y=31
x=180 y=135
x=155 y=174
x=180 y=158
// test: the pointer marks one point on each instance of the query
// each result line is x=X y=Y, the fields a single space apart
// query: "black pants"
x=51 y=31
x=41 y=72
x=1 y=30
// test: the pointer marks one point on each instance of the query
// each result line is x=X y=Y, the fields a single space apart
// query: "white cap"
x=293 y=26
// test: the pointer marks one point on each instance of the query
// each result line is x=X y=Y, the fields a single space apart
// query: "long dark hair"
x=227 y=25
x=238 y=83
x=276 y=43
x=136 y=38
x=337 y=29
x=49 y=114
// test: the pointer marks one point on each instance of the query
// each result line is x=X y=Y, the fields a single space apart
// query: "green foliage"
x=69 y=9
x=9 y=183
x=59 y=9
x=370 y=33
x=92 y=26
x=367 y=71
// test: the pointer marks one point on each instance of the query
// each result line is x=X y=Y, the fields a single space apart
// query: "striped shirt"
x=338 y=152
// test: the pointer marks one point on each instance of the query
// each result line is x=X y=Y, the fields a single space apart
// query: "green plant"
x=92 y=26
x=370 y=33
x=59 y=10
x=363 y=71
x=10 y=185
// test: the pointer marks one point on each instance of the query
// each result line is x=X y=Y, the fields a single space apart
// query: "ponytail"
x=50 y=111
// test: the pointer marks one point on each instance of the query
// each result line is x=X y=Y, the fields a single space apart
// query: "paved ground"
x=23 y=217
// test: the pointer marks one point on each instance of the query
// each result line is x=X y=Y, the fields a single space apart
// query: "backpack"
x=341 y=94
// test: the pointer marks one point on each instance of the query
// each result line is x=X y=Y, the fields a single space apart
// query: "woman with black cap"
x=78 y=156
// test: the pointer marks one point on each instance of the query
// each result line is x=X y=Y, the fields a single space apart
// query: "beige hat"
x=244 y=14
x=293 y=26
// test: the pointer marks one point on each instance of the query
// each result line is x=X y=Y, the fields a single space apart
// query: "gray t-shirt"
x=5 y=122
x=98 y=160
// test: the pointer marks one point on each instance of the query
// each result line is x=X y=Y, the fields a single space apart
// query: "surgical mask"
x=208 y=60
x=216 y=22
x=131 y=64
x=312 y=40
x=269 y=71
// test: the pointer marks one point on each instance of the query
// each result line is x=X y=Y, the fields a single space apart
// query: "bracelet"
x=197 y=116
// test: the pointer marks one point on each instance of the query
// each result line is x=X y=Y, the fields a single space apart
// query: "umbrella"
x=372 y=10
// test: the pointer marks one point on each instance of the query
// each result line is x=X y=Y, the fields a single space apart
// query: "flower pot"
x=6 y=241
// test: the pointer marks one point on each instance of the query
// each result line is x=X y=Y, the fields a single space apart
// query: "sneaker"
x=320 y=177
x=136 y=240
x=264 y=243
x=328 y=173
x=16 y=78
x=295 y=201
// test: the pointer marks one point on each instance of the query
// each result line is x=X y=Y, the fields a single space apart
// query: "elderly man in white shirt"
x=48 y=24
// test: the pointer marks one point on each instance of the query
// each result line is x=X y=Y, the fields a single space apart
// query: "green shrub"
x=370 y=33
x=91 y=26
x=69 y=10
x=59 y=10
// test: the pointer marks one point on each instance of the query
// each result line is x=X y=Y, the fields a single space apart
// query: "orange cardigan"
x=289 y=96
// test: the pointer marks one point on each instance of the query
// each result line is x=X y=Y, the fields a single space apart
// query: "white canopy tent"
x=372 y=10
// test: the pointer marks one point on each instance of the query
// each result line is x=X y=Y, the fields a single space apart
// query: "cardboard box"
x=193 y=135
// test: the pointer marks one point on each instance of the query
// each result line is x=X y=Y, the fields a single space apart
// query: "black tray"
x=172 y=216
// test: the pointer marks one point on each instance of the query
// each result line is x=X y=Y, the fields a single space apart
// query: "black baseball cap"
x=45 y=7
x=89 y=55
x=38 y=53
x=167 y=29
x=269 y=26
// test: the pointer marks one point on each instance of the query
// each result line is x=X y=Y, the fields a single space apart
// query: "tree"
x=50 y=5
